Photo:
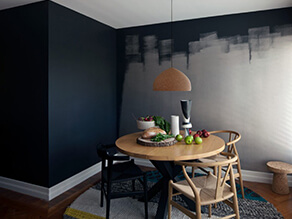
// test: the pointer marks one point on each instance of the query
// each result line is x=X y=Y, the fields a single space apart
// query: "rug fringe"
x=81 y=214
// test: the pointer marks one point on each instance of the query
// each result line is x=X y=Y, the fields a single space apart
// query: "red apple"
x=206 y=134
x=204 y=130
x=199 y=132
x=196 y=135
x=190 y=132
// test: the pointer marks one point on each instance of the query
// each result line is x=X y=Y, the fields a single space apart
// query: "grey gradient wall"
x=240 y=69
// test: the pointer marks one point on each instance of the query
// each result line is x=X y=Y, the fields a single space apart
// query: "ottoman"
x=280 y=181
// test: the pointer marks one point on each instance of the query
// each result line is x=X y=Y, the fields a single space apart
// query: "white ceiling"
x=128 y=13
x=4 y=4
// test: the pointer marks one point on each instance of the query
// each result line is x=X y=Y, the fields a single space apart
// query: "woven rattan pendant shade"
x=172 y=80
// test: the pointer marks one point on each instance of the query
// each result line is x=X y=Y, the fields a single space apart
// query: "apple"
x=189 y=139
x=198 y=140
x=200 y=133
x=196 y=135
x=179 y=137
x=206 y=134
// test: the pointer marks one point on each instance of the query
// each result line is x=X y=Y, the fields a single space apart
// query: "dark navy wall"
x=82 y=86
x=23 y=93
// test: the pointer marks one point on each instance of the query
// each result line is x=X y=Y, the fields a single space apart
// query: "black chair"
x=119 y=172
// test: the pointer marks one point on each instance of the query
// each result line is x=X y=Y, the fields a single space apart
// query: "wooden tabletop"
x=180 y=151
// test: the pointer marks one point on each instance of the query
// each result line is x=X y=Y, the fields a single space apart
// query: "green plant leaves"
x=160 y=137
x=162 y=123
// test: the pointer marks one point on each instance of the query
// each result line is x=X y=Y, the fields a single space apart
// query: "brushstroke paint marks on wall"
x=258 y=39
x=239 y=82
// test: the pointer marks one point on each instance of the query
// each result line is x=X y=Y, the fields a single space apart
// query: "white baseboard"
x=52 y=192
x=73 y=181
x=247 y=175
x=24 y=188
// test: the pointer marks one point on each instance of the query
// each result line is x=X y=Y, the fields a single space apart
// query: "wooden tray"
x=164 y=143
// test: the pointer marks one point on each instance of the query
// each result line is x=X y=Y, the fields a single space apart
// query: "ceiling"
x=129 y=13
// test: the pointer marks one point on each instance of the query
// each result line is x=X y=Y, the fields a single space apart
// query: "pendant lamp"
x=172 y=79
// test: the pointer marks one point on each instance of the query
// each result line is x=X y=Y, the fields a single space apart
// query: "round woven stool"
x=280 y=181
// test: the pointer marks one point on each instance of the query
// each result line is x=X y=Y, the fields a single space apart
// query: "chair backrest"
x=232 y=138
x=218 y=181
x=104 y=151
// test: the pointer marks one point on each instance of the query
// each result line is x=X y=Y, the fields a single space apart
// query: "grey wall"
x=82 y=81
x=23 y=93
x=240 y=69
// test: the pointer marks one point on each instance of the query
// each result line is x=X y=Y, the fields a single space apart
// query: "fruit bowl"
x=145 y=124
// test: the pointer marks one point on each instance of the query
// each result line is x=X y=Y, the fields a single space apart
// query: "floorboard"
x=14 y=205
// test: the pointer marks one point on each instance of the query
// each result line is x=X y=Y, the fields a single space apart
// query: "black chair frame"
x=108 y=154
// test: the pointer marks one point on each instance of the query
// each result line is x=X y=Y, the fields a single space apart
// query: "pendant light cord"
x=171 y=33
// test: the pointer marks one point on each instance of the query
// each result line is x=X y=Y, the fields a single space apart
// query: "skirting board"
x=25 y=188
x=73 y=181
x=52 y=192
x=247 y=175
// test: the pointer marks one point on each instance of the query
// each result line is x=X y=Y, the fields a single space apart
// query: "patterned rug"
x=87 y=205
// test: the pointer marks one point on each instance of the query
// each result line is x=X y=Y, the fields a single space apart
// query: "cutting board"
x=164 y=143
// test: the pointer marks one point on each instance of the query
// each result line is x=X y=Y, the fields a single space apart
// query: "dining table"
x=163 y=157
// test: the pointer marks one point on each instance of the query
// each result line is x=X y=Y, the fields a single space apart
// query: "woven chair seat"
x=206 y=186
x=216 y=158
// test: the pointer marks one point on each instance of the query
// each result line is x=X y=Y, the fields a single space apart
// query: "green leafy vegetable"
x=160 y=137
x=162 y=123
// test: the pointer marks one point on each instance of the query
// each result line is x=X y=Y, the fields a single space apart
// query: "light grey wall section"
x=243 y=83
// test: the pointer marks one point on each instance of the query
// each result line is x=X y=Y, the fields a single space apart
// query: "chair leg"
x=145 y=196
x=193 y=172
x=169 y=199
x=108 y=200
x=102 y=182
x=235 y=207
x=210 y=211
x=101 y=193
x=198 y=211
x=234 y=198
x=240 y=178
x=215 y=171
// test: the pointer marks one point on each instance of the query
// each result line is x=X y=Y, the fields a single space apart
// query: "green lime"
x=189 y=139
x=198 y=140
x=179 y=137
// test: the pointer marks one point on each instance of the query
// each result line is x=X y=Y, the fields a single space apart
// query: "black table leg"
x=168 y=170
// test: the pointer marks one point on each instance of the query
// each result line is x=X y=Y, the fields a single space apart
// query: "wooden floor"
x=18 y=206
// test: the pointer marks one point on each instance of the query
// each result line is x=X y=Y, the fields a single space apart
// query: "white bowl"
x=145 y=124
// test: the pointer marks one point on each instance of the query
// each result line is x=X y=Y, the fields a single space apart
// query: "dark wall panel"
x=23 y=93
x=82 y=90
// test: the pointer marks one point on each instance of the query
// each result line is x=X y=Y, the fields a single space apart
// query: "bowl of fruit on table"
x=145 y=122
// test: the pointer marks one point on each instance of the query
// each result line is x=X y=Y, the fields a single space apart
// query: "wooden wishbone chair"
x=233 y=138
x=206 y=190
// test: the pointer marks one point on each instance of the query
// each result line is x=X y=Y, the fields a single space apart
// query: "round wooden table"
x=162 y=158
x=180 y=151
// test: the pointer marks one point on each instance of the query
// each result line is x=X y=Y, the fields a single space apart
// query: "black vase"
x=186 y=106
